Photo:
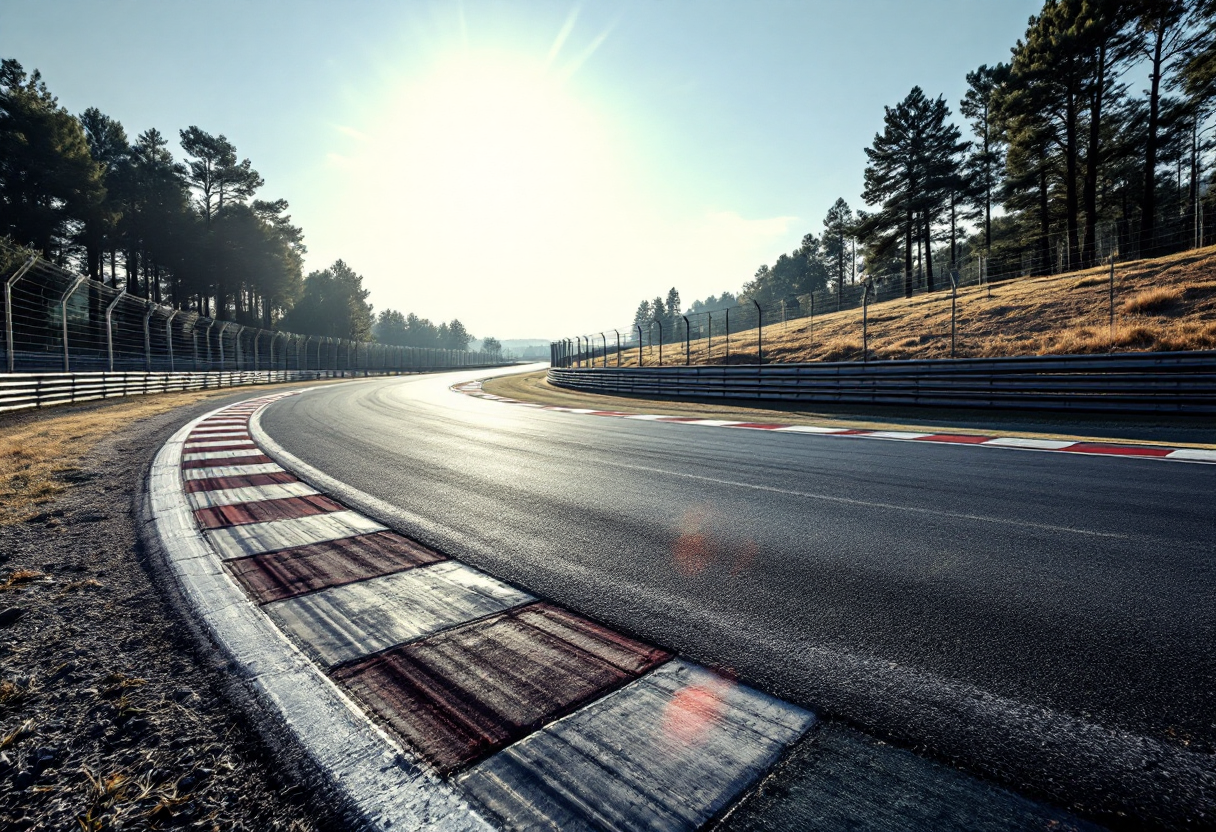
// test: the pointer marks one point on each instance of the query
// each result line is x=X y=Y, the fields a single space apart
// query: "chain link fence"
x=55 y=320
x=737 y=335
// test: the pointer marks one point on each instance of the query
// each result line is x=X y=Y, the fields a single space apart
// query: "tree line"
x=1057 y=162
x=191 y=234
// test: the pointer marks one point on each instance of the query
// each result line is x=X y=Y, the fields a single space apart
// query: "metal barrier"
x=1183 y=382
x=55 y=320
x=20 y=391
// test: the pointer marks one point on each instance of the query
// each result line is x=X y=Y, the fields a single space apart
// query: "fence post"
x=223 y=326
x=812 y=317
x=660 y=323
x=709 y=359
x=865 y=314
x=639 y=328
x=953 y=309
x=257 y=333
x=726 y=360
x=110 y=329
x=759 y=332
x=1112 y=303
x=687 y=340
x=618 y=347
x=63 y=317
x=8 y=306
x=194 y=345
x=605 y=337
x=169 y=336
x=148 y=337
x=207 y=337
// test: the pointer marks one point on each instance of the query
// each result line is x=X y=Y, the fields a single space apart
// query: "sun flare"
x=490 y=148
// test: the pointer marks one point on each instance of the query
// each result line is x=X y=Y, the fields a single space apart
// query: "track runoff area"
x=436 y=695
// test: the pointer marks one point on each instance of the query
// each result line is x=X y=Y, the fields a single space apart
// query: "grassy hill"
x=1167 y=303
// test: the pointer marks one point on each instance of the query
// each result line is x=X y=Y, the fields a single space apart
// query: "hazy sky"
x=532 y=168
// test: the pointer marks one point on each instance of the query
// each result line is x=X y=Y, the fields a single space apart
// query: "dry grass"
x=1167 y=303
x=1151 y=301
x=20 y=578
x=39 y=458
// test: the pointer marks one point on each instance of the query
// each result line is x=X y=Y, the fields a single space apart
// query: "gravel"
x=114 y=713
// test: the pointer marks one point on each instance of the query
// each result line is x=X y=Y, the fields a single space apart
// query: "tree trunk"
x=1148 y=204
x=1044 y=225
x=953 y=228
x=908 y=255
x=1092 y=161
x=1070 y=184
x=987 y=189
x=928 y=255
x=133 y=272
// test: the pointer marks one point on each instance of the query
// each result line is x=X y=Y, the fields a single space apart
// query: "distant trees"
x=491 y=345
x=714 y=302
x=333 y=303
x=49 y=180
x=1064 y=164
x=411 y=331
x=837 y=232
x=192 y=234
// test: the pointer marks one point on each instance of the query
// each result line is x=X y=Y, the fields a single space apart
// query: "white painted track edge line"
x=1175 y=455
x=387 y=786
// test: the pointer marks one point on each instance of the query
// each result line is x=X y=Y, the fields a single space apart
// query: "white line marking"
x=256 y=538
x=342 y=623
x=667 y=751
x=811 y=429
x=1193 y=455
x=193 y=457
x=195 y=446
x=1019 y=442
x=893 y=434
x=250 y=494
x=231 y=471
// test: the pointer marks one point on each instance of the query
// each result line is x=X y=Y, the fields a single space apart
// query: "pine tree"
x=914 y=166
x=48 y=178
x=982 y=167
x=837 y=229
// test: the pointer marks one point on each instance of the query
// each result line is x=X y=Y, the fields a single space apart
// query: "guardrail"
x=1182 y=382
x=20 y=391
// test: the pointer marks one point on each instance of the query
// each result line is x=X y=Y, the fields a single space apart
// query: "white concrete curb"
x=389 y=788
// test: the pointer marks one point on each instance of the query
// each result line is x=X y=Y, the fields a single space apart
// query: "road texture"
x=1042 y=620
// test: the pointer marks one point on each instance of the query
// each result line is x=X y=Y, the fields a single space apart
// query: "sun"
x=490 y=144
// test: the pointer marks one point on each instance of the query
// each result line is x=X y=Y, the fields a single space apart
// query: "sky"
x=534 y=169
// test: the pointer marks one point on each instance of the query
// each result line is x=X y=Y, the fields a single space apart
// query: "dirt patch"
x=42 y=451
x=1194 y=433
x=110 y=716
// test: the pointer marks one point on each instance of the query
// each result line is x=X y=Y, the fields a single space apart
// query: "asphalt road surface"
x=1043 y=619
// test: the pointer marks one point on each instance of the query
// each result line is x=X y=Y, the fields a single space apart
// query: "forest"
x=1087 y=143
x=190 y=233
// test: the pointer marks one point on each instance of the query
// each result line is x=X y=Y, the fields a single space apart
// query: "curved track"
x=1029 y=614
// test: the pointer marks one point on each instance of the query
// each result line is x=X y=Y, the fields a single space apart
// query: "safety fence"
x=1179 y=383
x=19 y=391
x=737 y=333
x=55 y=320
